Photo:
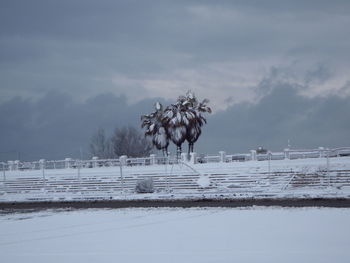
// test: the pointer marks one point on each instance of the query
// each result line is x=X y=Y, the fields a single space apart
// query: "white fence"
x=321 y=152
x=194 y=159
x=321 y=172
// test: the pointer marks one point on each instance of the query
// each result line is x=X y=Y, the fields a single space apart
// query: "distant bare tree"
x=129 y=141
x=100 y=145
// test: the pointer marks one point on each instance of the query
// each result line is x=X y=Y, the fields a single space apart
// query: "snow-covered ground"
x=255 y=234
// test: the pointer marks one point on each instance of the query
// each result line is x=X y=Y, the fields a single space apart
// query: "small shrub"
x=144 y=186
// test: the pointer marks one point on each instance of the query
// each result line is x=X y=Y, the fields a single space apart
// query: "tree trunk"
x=178 y=152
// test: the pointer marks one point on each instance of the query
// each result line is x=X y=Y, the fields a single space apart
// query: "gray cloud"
x=251 y=59
x=56 y=126
x=78 y=47
x=282 y=115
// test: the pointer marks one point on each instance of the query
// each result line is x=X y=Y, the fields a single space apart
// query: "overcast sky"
x=273 y=71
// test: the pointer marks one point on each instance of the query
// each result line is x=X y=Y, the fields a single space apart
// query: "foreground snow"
x=177 y=235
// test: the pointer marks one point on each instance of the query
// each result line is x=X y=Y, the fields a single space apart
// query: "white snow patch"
x=203 y=181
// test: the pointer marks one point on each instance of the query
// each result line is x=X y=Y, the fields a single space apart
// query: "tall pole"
x=43 y=171
x=4 y=176
x=3 y=171
x=328 y=174
x=166 y=173
x=121 y=177
x=78 y=166
x=269 y=162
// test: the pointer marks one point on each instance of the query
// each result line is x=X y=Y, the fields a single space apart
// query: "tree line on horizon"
x=123 y=141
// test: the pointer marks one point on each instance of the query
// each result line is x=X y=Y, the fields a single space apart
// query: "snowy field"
x=177 y=235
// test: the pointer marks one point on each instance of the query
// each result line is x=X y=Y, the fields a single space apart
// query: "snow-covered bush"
x=144 y=186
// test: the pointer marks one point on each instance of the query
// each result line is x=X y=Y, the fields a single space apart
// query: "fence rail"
x=179 y=179
x=154 y=160
x=303 y=172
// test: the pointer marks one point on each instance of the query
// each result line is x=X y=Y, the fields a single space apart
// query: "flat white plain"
x=257 y=234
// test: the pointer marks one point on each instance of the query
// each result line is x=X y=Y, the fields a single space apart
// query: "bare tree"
x=100 y=145
x=129 y=141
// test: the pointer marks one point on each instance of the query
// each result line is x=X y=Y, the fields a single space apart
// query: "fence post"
x=253 y=155
x=78 y=164
x=193 y=158
x=16 y=165
x=184 y=157
x=328 y=174
x=222 y=155
x=153 y=159
x=78 y=168
x=3 y=171
x=321 y=152
x=94 y=161
x=269 y=155
x=67 y=163
x=42 y=167
x=10 y=164
x=286 y=153
x=166 y=172
x=4 y=176
x=122 y=161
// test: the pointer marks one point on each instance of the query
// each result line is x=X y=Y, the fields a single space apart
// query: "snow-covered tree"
x=156 y=128
x=178 y=117
x=194 y=129
x=178 y=122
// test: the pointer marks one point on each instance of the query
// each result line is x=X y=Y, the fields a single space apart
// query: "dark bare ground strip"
x=16 y=207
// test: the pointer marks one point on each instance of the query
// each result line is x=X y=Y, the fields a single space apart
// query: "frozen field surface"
x=255 y=234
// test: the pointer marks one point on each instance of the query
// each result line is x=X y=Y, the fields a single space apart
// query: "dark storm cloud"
x=283 y=113
x=77 y=46
x=56 y=127
x=278 y=117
